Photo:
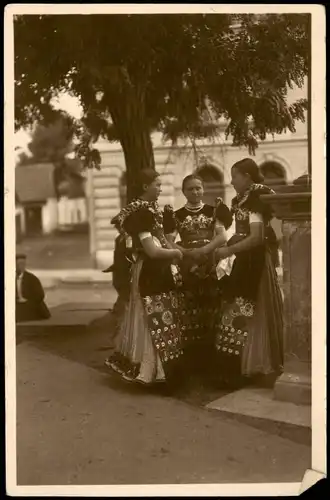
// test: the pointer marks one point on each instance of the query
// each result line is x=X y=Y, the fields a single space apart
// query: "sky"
x=72 y=106
x=64 y=102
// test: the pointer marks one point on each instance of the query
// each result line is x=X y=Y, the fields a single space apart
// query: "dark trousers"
x=31 y=311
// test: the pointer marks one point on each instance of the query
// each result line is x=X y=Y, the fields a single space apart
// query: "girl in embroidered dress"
x=202 y=230
x=250 y=338
x=148 y=346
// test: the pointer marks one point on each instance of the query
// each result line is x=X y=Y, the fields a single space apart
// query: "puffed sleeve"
x=255 y=204
x=223 y=214
x=169 y=220
x=141 y=221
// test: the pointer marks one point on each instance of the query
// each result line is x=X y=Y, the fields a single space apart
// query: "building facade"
x=40 y=208
x=37 y=195
x=19 y=219
x=281 y=158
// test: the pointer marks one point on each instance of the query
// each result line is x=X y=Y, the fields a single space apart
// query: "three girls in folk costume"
x=148 y=347
x=249 y=340
x=202 y=230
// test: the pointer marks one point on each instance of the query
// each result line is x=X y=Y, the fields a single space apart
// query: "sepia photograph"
x=158 y=249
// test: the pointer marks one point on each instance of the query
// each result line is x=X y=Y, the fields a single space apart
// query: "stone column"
x=292 y=205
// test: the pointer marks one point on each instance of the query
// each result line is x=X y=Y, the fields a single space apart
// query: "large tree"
x=179 y=74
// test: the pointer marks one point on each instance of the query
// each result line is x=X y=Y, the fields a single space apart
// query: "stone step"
x=68 y=317
x=51 y=278
x=256 y=407
x=83 y=306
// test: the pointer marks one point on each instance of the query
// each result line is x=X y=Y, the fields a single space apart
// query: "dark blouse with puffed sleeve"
x=156 y=276
x=249 y=204
x=249 y=264
x=141 y=221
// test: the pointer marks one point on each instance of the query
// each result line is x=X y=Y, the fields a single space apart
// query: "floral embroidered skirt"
x=148 y=346
x=249 y=338
x=200 y=305
x=200 y=321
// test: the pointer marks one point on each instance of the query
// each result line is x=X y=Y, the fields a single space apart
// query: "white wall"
x=71 y=211
x=104 y=204
x=290 y=151
x=20 y=211
x=49 y=216
x=62 y=209
x=291 y=154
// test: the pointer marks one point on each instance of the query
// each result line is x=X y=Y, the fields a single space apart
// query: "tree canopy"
x=51 y=141
x=178 y=74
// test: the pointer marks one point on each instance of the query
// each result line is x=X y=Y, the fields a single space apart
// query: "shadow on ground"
x=91 y=346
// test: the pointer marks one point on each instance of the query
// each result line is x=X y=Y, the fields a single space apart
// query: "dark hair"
x=146 y=176
x=21 y=256
x=249 y=167
x=190 y=177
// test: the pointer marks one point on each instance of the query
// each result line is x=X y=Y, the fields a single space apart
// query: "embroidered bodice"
x=248 y=207
x=196 y=228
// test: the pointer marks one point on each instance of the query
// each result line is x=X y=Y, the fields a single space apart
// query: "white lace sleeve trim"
x=219 y=224
x=144 y=235
x=255 y=217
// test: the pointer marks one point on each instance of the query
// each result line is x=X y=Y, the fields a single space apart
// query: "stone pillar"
x=292 y=205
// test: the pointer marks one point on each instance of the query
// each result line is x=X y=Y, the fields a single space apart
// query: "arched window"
x=213 y=182
x=274 y=173
x=210 y=173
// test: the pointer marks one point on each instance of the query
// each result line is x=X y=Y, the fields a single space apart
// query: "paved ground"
x=76 y=425
x=81 y=293
x=91 y=347
x=57 y=251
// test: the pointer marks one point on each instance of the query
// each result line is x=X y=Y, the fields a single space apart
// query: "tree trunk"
x=127 y=110
x=138 y=152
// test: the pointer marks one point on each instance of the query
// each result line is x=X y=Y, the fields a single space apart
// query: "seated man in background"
x=30 y=305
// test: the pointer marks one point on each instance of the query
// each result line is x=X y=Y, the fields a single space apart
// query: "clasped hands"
x=200 y=255
x=195 y=255
x=191 y=257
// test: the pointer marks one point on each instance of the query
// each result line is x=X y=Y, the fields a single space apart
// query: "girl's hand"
x=177 y=254
x=184 y=251
x=197 y=254
x=223 y=253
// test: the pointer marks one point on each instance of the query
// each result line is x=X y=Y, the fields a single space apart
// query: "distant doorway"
x=33 y=218
x=213 y=182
